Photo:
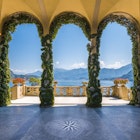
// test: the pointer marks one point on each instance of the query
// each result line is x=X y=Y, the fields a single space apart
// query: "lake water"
x=111 y=83
x=79 y=83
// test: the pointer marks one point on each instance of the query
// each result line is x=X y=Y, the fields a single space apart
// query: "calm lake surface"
x=79 y=83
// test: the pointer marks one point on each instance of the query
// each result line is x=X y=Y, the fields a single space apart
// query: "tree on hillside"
x=34 y=81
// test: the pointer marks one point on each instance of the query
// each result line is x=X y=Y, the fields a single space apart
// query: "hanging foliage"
x=9 y=27
x=133 y=32
x=15 y=19
x=69 y=17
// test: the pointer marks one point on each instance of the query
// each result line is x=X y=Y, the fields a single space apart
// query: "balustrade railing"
x=70 y=91
x=32 y=90
x=107 y=91
x=115 y=91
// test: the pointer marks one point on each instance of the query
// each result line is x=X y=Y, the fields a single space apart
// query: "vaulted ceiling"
x=93 y=10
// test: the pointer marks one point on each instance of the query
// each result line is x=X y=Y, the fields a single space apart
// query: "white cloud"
x=102 y=64
x=17 y=71
x=57 y=62
x=116 y=65
x=37 y=70
x=78 y=65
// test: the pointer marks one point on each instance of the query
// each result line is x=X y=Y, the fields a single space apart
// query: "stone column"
x=54 y=86
x=84 y=88
x=94 y=96
x=23 y=89
x=14 y=92
x=46 y=90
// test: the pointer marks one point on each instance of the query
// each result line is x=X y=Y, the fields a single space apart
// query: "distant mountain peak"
x=106 y=74
x=36 y=73
x=82 y=73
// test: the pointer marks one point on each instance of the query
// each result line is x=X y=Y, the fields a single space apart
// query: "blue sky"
x=25 y=49
x=69 y=48
x=116 y=46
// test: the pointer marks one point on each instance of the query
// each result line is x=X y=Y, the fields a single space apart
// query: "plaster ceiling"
x=46 y=10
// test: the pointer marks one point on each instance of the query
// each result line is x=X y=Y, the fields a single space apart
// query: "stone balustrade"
x=32 y=91
x=122 y=92
x=119 y=91
x=17 y=92
x=106 y=91
x=70 y=90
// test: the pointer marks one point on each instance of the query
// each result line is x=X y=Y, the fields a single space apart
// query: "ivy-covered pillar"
x=136 y=69
x=138 y=86
x=46 y=90
x=4 y=73
x=94 y=96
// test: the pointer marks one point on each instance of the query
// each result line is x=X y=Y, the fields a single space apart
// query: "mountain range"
x=123 y=72
x=82 y=73
x=36 y=74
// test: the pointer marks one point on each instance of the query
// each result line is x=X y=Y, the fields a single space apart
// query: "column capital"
x=93 y=45
x=46 y=40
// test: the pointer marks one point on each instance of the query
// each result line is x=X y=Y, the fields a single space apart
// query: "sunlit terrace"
x=91 y=48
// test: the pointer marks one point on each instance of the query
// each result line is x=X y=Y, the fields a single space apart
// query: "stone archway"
x=133 y=30
x=94 y=96
x=9 y=26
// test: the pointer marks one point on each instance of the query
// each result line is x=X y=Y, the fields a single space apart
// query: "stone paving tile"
x=78 y=122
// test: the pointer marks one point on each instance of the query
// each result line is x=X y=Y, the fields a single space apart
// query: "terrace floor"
x=68 y=101
x=64 y=121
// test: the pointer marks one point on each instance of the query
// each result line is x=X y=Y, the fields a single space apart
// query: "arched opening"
x=132 y=29
x=46 y=94
x=70 y=65
x=25 y=64
x=9 y=26
x=116 y=63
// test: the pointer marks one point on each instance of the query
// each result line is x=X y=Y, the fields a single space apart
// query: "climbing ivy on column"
x=94 y=96
x=4 y=74
x=46 y=90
